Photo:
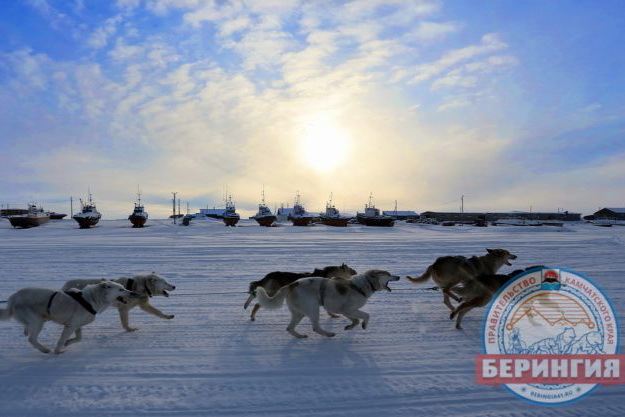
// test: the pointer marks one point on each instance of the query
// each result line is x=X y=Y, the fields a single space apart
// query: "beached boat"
x=230 y=216
x=299 y=216
x=89 y=215
x=35 y=216
x=139 y=216
x=264 y=216
x=332 y=217
x=373 y=217
x=56 y=216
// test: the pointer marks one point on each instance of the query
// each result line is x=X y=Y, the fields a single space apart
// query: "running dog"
x=273 y=281
x=145 y=286
x=337 y=295
x=478 y=291
x=32 y=307
x=449 y=271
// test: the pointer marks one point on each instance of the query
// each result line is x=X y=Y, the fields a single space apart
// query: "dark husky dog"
x=273 y=281
x=478 y=291
x=449 y=271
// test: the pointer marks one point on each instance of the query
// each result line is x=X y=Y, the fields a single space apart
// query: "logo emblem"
x=550 y=336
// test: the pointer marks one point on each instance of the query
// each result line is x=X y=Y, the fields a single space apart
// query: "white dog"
x=145 y=286
x=337 y=295
x=34 y=306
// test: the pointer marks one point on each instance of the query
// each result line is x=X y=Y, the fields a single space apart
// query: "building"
x=609 y=213
x=489 y=217
x=402 y=214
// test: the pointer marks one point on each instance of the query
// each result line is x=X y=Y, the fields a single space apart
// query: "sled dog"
x=32 y=307
x=449 y=271
x=146 y=286
x=478 y=291
x=337 y=295
x=273 y=281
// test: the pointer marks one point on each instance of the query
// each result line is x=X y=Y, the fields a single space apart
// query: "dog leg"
x=67 y=332
x=149 y=308
x=358 y=314
x=314 y=319
x=334 y=316
x=354 y=323
x=76 y=339
x=254 y=311
x=463 y=309
x=123 y=316
x=34 y=328
x=295 y=319
x=446 y=295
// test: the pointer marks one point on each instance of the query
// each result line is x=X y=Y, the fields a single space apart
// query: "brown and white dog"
x=449 y=271
x=273 y=281
x=337 y=295
x=146 y=286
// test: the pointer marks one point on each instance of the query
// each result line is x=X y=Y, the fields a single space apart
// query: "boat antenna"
x=139 y=194
x=370 y=200
x=263 y=194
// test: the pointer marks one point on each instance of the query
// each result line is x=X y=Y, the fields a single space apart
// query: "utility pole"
x=461 y=209
x=174 y=211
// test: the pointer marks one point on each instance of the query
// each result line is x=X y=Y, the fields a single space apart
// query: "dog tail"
x=271 y=302
x=426 y=275
x=6 y=314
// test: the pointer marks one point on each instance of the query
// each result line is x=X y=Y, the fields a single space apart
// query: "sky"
x=515 y=105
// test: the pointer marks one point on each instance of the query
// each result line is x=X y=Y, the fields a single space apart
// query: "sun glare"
x=324 y=146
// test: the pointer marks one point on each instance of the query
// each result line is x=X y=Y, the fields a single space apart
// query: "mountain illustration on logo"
x=554 y=309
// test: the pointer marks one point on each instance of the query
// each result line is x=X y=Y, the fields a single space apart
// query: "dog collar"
x=357 y=289
x=77 y=296
x=50 y=301
x=129 y=284
x=371 y=286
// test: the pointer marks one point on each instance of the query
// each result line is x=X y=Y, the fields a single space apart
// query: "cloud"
x=489 y=43
x=100 y=37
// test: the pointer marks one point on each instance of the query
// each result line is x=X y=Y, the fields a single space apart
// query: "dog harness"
x=324 y=283
x=130 y=283
x=50 y=301
x=77 y=296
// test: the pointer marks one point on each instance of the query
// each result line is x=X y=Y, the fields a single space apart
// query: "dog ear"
x=489 y=250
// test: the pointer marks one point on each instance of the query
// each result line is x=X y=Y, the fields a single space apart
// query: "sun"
x=324 y=145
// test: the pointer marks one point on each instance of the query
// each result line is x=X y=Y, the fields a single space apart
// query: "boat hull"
x=137 y=221
x=375 y=221
x=86 y=222
x=301 y=221
x=231 y=220
x=25 y=222
x=335 y=221
x=266 y=221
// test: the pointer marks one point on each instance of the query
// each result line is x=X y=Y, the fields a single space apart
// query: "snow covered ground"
x=212 y=361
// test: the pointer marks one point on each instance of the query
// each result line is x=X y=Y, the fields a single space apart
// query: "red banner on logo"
x=550 y=369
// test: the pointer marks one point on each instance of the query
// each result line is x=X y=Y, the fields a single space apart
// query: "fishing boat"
x=89 y=215
x=299 y=216
x=332 y=217
x=373 y=217
x=56 y=216
x=230 y=216
x=139 y=216
x=264 y=216
x=35 y=216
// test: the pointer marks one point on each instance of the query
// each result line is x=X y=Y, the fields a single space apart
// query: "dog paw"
x=452 y=315
x=252 y=319
x=58 y=351
x=302 y=336
x=169 y=317
x=132 y=329
x=364 y=325
x=459 y=327
x=331 y=334
x=45 y=350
